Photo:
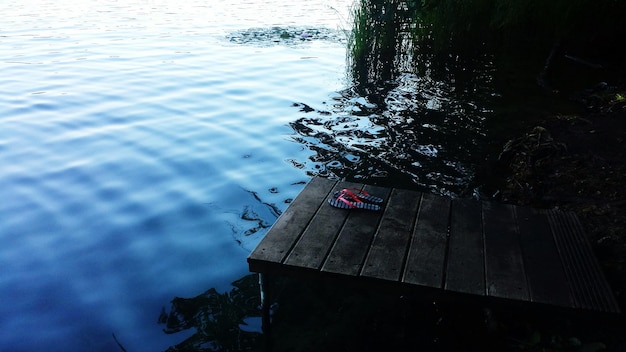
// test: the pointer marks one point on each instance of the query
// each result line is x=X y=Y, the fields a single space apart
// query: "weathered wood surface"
x=452 y=246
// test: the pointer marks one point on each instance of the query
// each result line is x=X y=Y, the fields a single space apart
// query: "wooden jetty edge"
x=439 y=245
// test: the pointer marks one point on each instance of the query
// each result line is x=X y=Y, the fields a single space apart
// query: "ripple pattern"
x=416 y=133
x=143 y=155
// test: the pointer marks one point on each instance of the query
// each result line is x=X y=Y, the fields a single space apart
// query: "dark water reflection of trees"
x=408 y=119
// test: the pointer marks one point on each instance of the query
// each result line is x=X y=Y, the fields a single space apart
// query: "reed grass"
x=390 y=33
x=379 y=40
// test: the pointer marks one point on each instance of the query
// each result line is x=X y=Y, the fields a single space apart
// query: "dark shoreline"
x=576 y=163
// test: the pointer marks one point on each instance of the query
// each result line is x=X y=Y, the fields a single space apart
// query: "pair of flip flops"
x=355 y=199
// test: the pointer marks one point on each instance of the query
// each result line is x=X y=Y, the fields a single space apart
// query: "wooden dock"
x=437 y=245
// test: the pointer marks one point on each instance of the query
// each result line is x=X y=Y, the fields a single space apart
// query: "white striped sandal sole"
x=345 y=204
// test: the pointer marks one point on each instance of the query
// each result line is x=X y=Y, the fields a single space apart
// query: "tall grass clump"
x=359 y=42
x=379 y=41
x=387 y=33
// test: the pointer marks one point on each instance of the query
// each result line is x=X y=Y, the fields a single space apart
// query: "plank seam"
x=524 y=256
x=308 y=224
x=584 y=297
x=600 y=289
x=582 y=264
x=482 y=230
x=373 y=238
x=521 y=248
x=565 y=259
x=444 y=275
x=331 y=248
x=412 y=240
x=603 y=284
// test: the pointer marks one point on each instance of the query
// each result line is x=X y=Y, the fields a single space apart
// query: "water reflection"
x=309 y=316
x=413 y=131
x=409 y=119
x=227 y=321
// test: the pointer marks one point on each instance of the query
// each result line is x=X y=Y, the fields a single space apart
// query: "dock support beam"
x=266 y=323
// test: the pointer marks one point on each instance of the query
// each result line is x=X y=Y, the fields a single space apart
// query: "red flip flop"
x=346 y=201
x=358 y=194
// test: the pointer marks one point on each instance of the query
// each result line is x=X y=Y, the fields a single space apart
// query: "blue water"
x=145 y=148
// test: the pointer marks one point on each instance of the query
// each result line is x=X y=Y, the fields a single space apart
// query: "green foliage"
x=394 y=37
x=467 y=23
x=451 y=23
x=461 y=27
x=379 y=43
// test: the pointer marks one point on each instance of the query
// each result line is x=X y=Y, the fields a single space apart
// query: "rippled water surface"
x=145 y=148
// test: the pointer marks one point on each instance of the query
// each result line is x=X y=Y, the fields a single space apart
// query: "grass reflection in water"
x=412 y=133
x=220 y=319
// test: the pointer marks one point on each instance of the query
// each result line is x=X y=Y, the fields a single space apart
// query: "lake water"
x=145 y=147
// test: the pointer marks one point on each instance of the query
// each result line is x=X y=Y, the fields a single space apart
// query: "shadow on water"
x=307 y=316
x=228 y=321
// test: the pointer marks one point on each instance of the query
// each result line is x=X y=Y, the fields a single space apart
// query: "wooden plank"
x=290 y=225
x=317 y=239
x=546 y=277
x=589 y=287
x=485 y=249
x=571 y=265
x=387 y=254
x=465 y=268
x=504 y=266
x=348 y=253
x=426 y=258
